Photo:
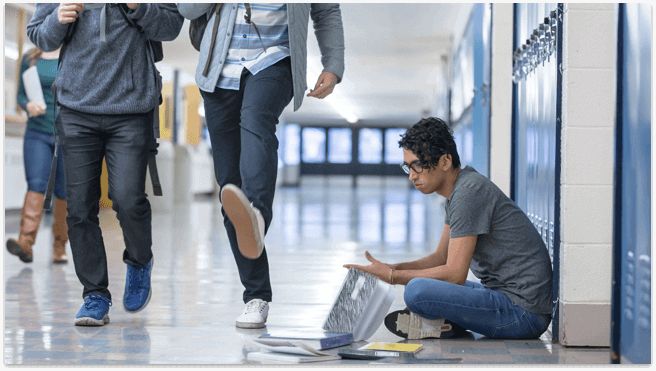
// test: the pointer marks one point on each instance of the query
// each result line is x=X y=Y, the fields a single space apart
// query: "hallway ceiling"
x=393 y=62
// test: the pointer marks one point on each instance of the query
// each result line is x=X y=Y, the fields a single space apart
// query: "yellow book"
x=394 y=347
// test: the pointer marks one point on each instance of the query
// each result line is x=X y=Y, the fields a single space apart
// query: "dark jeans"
x=123 y=140
x=242 y=126
x=474 y=307
x=38 y=151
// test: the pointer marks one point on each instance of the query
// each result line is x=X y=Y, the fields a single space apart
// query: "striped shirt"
x=246 y=49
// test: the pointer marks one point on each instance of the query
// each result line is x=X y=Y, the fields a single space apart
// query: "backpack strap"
x=215 y=11
x=247 y=18
x=152 y=160
x=47 y=201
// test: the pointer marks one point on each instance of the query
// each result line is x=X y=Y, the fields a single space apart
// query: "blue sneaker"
x=94 y=311
x=137 y=288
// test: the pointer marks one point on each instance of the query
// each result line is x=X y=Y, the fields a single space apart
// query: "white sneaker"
x=247 y=219
x=410 y=325
x=255 y=314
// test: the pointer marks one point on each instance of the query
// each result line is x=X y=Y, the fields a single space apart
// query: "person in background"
x=109 y=90
x=38 y=152
x=247 y=76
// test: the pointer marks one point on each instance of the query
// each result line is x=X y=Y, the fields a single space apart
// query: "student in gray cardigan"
x=108 y=89
x=258 y=62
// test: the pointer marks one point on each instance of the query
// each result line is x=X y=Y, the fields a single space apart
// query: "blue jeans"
x=38 y=151
x=242 y=127
x=123 y=141
x=475 y=308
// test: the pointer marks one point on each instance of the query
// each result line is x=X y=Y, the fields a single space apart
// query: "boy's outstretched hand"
x=376 y=268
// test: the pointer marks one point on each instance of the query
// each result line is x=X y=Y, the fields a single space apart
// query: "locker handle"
x=538 y=47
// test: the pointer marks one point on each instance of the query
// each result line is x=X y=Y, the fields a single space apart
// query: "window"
x=292 y=144
x=314 y=145
x=393 y=153
x=339 y=145
x=371 y=146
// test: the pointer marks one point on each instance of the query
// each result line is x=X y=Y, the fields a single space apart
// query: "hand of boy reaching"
x=67 y=12
x=376 y=268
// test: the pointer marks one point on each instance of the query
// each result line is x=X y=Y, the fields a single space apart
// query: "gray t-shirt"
x=510 y=255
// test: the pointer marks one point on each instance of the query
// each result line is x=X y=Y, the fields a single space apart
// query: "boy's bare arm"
x=437 y=258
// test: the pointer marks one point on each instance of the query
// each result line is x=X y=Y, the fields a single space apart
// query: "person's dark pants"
x=123 y=140
x=38 y=151
x=242 y=126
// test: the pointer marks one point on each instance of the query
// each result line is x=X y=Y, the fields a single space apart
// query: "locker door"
x=482 y=17
x=535 y=122
x=631 y=301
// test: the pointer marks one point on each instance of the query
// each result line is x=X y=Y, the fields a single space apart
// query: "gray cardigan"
x=328 y=28
x=111 y=77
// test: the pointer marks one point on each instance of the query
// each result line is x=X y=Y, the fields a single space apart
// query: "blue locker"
x=631 y=295
x=536 y=126
x=470 y=105
x=481 y=17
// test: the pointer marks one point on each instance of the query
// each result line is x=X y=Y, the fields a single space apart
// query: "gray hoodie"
x=111 y=77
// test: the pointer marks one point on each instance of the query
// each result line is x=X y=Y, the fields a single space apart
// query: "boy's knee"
x=413 y=291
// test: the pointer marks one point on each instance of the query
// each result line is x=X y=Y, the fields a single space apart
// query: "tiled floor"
x=318 y=227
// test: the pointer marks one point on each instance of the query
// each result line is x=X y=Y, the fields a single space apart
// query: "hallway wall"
x=589 y=57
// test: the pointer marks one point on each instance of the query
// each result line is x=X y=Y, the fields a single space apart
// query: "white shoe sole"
x=250 y=325
x=88 y=321
x=242 y=217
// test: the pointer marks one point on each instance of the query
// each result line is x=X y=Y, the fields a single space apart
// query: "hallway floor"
x=317 y=228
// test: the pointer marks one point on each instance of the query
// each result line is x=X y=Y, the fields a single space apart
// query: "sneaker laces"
x=136 y=279
x=255 y=306
x=93 y=302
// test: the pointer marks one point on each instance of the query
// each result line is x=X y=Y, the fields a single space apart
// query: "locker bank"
x=550 y=101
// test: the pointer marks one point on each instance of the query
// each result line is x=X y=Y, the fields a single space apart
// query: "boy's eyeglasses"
x=414 y=165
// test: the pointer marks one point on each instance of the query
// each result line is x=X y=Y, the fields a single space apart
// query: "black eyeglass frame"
x=413 y=165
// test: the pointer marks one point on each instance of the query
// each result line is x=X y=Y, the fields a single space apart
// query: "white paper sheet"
x=33 y=88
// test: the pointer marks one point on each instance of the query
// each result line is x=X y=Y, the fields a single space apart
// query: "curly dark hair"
x=429 y=139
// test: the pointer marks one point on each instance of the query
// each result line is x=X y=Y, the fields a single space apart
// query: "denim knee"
x=133 y=206
x=414 y=291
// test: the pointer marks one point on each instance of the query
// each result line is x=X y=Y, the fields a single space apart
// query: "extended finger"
x=369 y=257
x=317 y=92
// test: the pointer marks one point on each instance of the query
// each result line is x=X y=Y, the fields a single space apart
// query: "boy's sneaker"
x=255 y=314
x=137 y=287
x=94 y=311
x=247 y=219
x=412 y=326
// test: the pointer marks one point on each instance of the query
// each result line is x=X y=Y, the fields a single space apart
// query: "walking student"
x=250 y=66
x=38 y=152
x=483 y=231
x=108 y=90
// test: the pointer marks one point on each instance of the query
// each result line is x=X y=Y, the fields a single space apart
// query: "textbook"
x=393 y=347
x=360 y=306
x=289 y=352
x=380 y=350
x=271 y=357
x=318 y=340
